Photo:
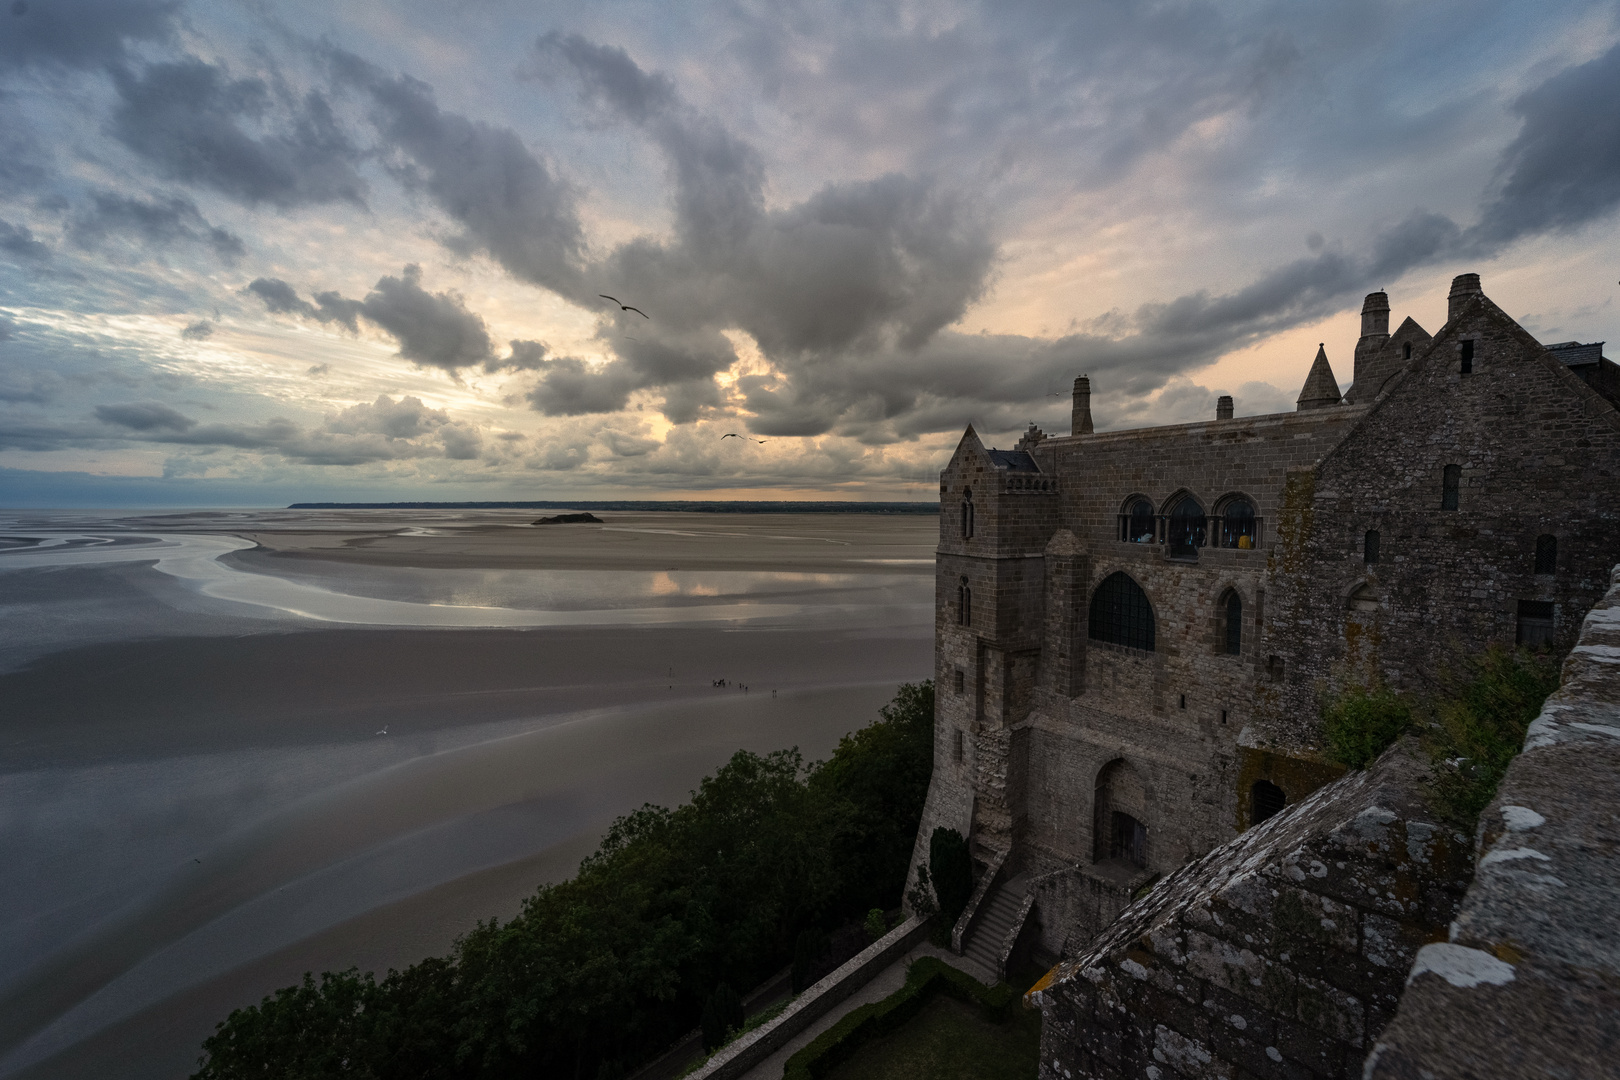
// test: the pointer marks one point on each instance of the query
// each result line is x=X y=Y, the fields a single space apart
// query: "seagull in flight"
x=623 y=306
x=734 y=435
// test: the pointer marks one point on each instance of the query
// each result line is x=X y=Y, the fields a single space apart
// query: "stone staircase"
x=987 y=943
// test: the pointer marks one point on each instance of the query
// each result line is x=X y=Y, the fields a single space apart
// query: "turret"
x=1321 y=388
x=1223 y=407
x=1082 y=407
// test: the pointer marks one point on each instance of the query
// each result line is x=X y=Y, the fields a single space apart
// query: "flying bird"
x=734 y=435
x=623 y=306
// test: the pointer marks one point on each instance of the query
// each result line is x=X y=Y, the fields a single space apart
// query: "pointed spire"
x=1321 y=388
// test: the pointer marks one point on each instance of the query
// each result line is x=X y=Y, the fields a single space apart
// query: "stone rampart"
x=1280 y=954
x=1528 y=984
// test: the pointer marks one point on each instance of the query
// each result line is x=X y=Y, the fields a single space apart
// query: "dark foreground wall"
x=1529 y=983
x=1281 y=954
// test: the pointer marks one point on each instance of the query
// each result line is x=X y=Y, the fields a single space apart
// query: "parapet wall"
x=1281 y=954
x=1528 y=984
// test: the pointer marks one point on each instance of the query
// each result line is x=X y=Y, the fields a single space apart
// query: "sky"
x=254 y=252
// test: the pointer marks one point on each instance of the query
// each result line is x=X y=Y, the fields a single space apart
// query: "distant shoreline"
x=643 y=505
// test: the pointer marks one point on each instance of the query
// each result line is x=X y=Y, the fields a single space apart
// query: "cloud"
x=1563 y=169
x=187 y=118
x=145 y=416
x=83 y=34
x=507 y=202
x=201 y=330
x=19 y=243
x=570 y=387
x=317 y=370
x=161 y=220
x=403 y=419
x=433 y=329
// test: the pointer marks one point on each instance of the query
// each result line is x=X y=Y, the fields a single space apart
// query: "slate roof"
x=1574 y=354
x=1013 y=460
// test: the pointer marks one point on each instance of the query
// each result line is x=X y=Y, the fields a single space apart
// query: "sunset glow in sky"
x=259 y=252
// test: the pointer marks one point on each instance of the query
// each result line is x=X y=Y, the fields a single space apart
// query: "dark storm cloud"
x=507 y=201
x=82 y=34
x=201 y=330
x=383 y=430
x=145 y=416
x=434 y=330
x=190 y=120
x=18 y=242
x=856 y=267
x=164 y=219
x=1563 y=170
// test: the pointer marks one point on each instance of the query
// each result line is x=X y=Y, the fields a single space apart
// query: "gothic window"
x=1265 y=800
x=1547 y=554
x=1139 y=522
x=1406 y=351
x=1238 y=524
x=967 y=514
x=964 y=603
x=1450 y=485
x=1369 y=547
x=1467 y=367
x=1535 y=623
x=1121 y=614
x=1187 y=523
x=1232 y=638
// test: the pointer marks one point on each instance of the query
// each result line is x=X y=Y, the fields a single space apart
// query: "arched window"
x=1547 y=554
x=1406 y=351
x=1369 y=547
x=967 y=514
x=964 y=603
x=1238 y=524
x=1450 y=487
x=1119 y=812
x=1187 y=524
x=1265 y=800
x=1121 y=614
x=1232 y=617
x=1140 y=526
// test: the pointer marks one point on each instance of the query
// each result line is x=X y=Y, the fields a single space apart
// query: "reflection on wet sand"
x=190 y=818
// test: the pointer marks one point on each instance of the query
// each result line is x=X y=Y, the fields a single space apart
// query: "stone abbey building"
x=1134 y=629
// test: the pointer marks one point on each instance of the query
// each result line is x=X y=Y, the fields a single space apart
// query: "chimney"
x=1223 y=407
x=1082 y=407
x=1464 y=287
x=1374 y=336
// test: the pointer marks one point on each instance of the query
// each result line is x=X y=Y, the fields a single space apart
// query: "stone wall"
x=1279 y=955
x=1528 y=982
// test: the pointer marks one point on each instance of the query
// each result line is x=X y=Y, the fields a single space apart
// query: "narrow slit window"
x=961 y=681
x=1467 y=367
x=1234 y=624
x=1369 y=547
x=1406 y=351
x=1450 y=487
x=1547 y=554
x=967 y=514
x=958 y=744
x=964 y=603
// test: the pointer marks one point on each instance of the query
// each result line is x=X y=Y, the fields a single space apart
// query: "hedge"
x=925 y=977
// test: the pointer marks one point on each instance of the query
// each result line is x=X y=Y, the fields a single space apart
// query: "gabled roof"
x=1013 y=460
x=1321 y=388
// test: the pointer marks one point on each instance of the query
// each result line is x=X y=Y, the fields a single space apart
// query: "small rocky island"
x=569 y=519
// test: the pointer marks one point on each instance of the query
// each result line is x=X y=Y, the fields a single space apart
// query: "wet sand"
x=197 y=801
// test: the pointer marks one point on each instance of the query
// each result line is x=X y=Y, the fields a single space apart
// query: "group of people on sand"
x=722 y=682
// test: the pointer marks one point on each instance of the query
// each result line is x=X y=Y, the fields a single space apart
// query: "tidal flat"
x=236 y=746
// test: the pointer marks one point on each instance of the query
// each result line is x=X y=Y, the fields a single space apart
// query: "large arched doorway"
x=1119 y=828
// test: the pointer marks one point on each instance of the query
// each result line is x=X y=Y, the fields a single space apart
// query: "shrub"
x=1362 y=723
x=951 y=869
x=722 y=1015
x=877 y=924
x=1479 y=722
